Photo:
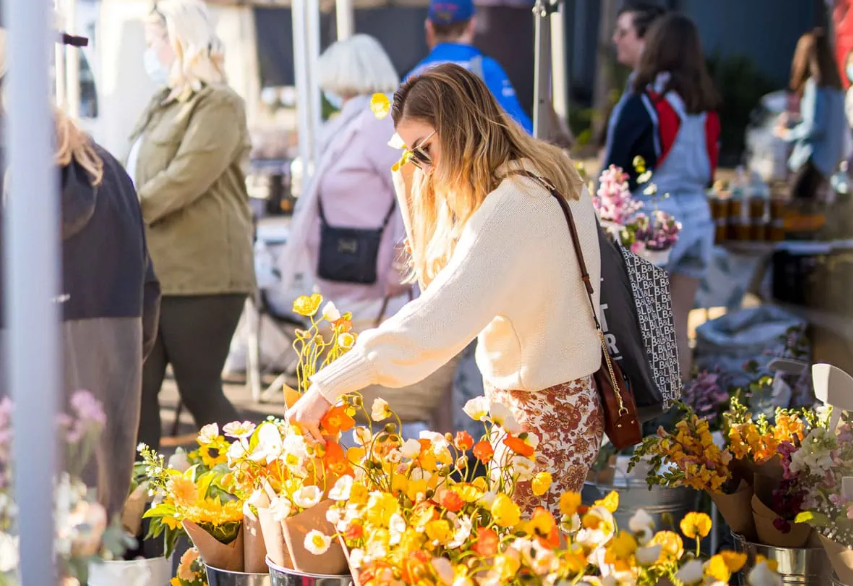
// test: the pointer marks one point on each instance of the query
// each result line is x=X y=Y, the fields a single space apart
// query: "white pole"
x=313 y=20
x=61 y=87
x=303 y=93
x=542 y=68
x=72 y=62
x=559 y=69
x=32 y=281
x=345 y=19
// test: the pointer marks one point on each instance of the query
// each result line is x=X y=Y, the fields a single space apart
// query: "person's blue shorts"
x=691 y=255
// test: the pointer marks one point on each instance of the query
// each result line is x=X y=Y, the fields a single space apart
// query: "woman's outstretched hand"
x=308 y=412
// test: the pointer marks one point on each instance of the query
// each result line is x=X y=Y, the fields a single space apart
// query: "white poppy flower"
x=646 y=556
x=477 y=408
x=331 y=313
x=762 y=575
x=411 y=449
x=239 y=429
x=280 y=509
x=502 y=416
x=691 y=573
x=396 y=527
x=380 y=410
x=342 y=489
x=317 y=543
x=444 y=570
x=307 y=497
x=208 y=434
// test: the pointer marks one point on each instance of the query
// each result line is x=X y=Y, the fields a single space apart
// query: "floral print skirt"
x=569 y=422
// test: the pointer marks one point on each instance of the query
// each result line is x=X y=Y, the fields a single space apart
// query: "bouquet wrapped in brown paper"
x=223 y=556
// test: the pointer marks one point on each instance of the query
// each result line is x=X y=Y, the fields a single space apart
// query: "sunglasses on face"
x=418 y=156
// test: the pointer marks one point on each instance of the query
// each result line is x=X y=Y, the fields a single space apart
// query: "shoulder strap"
x=385 y=221
x=573 y=231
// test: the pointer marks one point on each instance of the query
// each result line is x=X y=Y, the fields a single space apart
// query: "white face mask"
x=335 y=101
x=155 y=69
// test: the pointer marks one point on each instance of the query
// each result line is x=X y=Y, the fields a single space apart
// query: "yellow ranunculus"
x=610 y=502
x=734 y=561
x=505 y=512
x=439 y=531
x=380 y=105
x=541 y=483
x=718 y=569
x=307 y=306
x=696 y=525
x=623 y=546
x=671 y=544
x=569 y=503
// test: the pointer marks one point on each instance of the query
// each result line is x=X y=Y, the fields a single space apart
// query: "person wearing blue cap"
x=450 y=36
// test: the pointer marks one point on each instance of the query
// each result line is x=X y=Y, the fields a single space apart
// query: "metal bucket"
x=634 y=494
x=800 y=566
x=217 y=577
x=835 y=581
x=283 y=577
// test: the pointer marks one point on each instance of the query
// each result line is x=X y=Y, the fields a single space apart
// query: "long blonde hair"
x=478 y=141
x=199 y=52
x=72 y=144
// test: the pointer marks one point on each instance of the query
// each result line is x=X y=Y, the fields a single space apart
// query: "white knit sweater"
x=514 y=281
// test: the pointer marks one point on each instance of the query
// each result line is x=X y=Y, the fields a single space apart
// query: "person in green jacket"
x=187 y=159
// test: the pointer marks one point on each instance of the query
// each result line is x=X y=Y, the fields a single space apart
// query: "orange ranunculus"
x=335 y=459
x=483 y=451
x=451 y=501
x=463 y=441
x=518 y=446
x=336 y=420
x=487 y=542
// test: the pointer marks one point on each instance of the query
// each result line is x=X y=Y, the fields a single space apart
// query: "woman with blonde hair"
x=187 y=162
x=353 y=190
x=109 y=299
x=491 y=248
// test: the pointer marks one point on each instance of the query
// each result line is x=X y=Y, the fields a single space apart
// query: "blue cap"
x=450 y=11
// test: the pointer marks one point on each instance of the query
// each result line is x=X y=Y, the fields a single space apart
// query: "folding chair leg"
x=175 y=424
x=253 y=350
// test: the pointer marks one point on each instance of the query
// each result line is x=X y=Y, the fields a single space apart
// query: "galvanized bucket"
x=217 y=577
x=634 y=494
x=283 y=577
x=800 y=566
x=835 y=581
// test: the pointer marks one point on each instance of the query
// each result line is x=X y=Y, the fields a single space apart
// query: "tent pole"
x=559 y=63
x=313 y=52
x=31 y=278
x=303 y=92
x=542 y=66
x=72 y=63
x=345 y=19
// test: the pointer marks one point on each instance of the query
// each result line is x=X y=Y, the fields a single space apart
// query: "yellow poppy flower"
x=307 y=306
x=718 y=569
x=569 y=503
x=505 y=512
x=610 y=502
x=623 y=546
x=671 y=545
x=734 y=561
x=696 y=525
x=439 y=531
x=541 y=483
x=380 y=105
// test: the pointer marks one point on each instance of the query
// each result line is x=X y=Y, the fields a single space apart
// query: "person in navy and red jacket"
x=671 y=122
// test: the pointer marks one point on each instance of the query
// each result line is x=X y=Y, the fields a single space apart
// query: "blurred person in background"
x=352 y=190
x=670 y=121
x=109 y=298
x=187 y=161
x=629 y=38
x=450 y=29
x=819 y=136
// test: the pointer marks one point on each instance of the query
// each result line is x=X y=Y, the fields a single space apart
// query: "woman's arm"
x=633 y=135
x=812 y=112
x=465 y=297
x=213 y=138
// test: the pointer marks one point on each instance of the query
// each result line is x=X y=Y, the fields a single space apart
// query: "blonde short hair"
x=357 y=66
x=199 y=52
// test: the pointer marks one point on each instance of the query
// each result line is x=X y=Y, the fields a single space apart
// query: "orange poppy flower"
x=335 y=459
x=487 y=542
x=518 y=446
x=336 y=420
x=451 y=501
x=483 y=451
x=463 y=441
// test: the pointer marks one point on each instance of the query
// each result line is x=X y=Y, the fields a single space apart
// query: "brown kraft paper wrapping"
x=798 y=536
x=841 y=559
x=737 y=510
x=353 y=571
x=254 y=548
x=273 y=532
x=298 y=526
x=228 y=557
x=134 y=508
